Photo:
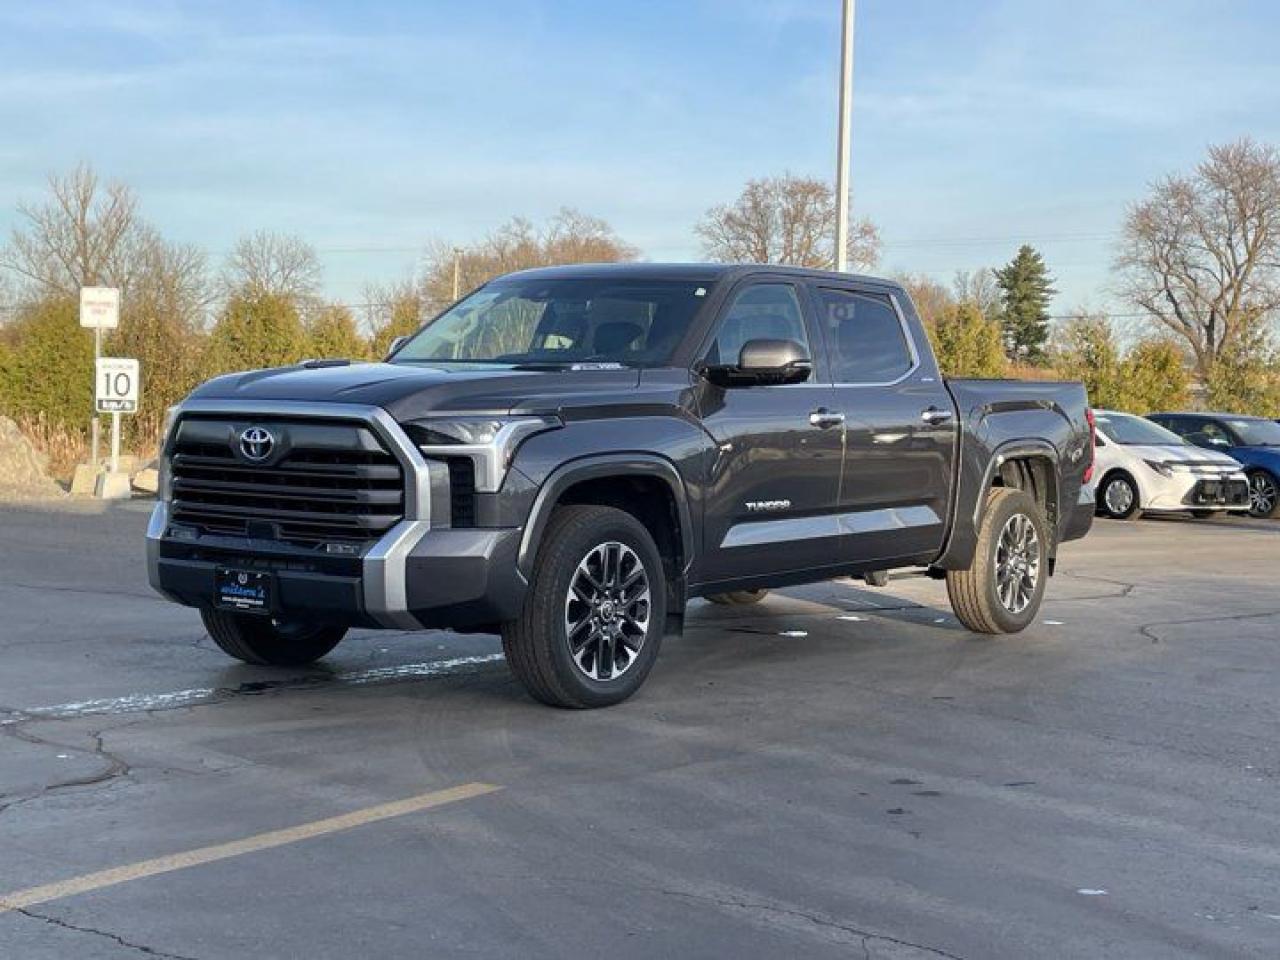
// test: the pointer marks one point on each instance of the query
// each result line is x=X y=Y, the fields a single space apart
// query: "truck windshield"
x=1128 y=430
x=530 y=322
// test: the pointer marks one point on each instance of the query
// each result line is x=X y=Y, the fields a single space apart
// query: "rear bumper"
x=414 y=578
x=1079 y=519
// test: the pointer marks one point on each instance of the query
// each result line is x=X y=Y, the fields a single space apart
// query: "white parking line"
x=143 y=702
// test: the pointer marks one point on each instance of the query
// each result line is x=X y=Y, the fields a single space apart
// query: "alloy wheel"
x=1017 y=569
x=607 y=611
x=1262 y=495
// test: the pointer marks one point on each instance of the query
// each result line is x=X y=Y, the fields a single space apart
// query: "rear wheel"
x=593 y=618
x=738 y=598
x=1264 y=495
x=1003 y=587
x=265 y=641
x=1118 y=498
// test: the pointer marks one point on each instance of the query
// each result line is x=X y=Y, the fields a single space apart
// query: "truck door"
x=770 y=494
x=900 y=426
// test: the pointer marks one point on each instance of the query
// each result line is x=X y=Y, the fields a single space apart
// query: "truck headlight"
x=490 y=442
x=1164 y=469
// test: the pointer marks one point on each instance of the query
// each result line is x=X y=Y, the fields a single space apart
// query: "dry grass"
x=64 y=447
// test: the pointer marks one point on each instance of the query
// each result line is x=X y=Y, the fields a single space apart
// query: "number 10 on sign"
x=116 y=392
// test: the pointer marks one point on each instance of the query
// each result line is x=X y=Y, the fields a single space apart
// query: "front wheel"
x=1264 y=495
x=265 y=641
x=1004 y=585
x=593 y=618
x=1118 y=498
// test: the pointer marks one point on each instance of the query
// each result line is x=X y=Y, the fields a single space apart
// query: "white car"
x=1140 y=466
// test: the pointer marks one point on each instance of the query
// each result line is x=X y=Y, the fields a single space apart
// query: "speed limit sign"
x=116 y=385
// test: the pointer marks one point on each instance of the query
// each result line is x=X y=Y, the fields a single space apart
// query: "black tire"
x=876 y=578
x=263 y=641
x=537 y=643
x=1207 y=514
x=974 y=593
x=1124 y=503
x=738 y=598
x=1264 y=489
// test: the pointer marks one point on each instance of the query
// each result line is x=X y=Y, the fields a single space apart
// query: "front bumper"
x=420 y=574
x=413 y=579
x=1190 y=492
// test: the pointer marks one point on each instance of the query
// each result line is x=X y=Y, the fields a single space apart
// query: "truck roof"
x=709 y=272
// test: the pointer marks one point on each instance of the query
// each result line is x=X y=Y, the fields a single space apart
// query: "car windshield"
x=1129 y=431
x=1256 y=433
x=531 y=322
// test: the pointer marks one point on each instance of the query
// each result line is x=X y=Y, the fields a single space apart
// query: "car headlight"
x=1164 y=469
x=490 y=442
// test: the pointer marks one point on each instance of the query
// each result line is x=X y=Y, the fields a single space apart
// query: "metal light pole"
x=457 y=257
x=842 y=156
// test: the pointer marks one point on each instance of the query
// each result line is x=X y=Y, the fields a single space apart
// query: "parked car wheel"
x=876 y=578
x=1118 y=497
x=594 y=615
x=265 y=641
x=1002 y=589
x=1264 y=495
x=738 y=598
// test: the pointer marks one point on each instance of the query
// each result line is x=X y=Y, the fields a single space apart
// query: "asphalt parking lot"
x=839 y=772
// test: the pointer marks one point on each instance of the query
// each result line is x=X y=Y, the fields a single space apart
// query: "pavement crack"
x=115 y=768
x=87 y=591
x=1148 y=629
x=93 y=931
x=863 y=937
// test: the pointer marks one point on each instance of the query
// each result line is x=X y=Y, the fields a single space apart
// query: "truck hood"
x=410 y=390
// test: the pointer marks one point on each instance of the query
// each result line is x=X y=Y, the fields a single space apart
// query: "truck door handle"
x=933 y=416
x=822 y=418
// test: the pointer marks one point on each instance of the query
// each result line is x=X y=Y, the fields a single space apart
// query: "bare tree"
x=1202 y=253
x=86 y=234
x=979 y=288
x=569 y=237
x=787 y=219
x=274 y=264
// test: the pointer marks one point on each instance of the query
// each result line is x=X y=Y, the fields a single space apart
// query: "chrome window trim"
x=383 y=569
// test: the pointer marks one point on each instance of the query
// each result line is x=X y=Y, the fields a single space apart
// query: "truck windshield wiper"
x=570 y=365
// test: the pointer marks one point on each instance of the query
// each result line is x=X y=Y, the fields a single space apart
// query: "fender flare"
x=1014 y=450
x=593 y=467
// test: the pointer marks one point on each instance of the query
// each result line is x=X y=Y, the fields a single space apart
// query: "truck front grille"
x=325 y=481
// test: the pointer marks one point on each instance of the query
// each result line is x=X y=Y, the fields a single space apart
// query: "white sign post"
x=115 y=392
x=99 y=310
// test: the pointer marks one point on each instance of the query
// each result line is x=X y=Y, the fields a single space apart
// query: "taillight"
x=1093 y=442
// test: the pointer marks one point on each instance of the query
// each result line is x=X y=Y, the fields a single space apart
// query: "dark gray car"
x=568 y=455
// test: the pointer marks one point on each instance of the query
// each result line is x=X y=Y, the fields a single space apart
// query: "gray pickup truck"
x=568 y=455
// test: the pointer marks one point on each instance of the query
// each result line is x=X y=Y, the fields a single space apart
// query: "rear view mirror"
x=396 y=344
x=1204 y=440
x=764 y=362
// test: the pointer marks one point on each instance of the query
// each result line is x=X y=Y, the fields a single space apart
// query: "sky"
x=370 y=129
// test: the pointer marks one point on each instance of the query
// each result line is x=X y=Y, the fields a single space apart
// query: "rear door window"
x=864 y=336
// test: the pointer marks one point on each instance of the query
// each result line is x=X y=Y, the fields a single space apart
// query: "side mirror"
x=764 y=362
x=396 y=344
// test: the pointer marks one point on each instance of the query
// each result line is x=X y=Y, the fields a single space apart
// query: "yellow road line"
x=222 y=851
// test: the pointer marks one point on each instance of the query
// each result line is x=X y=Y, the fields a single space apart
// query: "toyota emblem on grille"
x=256 y=443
